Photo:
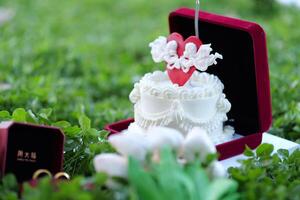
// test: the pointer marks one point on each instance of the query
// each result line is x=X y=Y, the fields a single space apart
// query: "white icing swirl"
x=135 y=95
x=223 y=104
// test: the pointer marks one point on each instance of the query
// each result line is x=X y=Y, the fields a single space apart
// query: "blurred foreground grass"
x=83 y=56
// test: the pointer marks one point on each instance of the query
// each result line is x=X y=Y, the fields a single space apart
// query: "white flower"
x=197 y=142
x=134 y=128
x=130 y=143
x=217 y=170
x=111 y=164
x=160 y=137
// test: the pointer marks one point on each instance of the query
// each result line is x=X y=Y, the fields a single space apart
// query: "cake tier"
x=200 y=102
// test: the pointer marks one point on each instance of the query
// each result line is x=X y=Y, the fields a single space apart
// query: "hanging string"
x=196 y=18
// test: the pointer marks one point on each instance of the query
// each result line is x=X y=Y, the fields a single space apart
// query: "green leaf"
x=93 y=132
x=199 y=178
x=256 y=173
x=248 y=152
x=30 y=117
x=10 y=181
x=283 y=152
x=19 y=115
x=10 y=196
x=72 y=131
x=101 y=178
x=84 y=122
x=4 y=115
x=142 y=182
x=237 y=174
x=168 y=171
x=210 y=158
x=264 y=150
x=222 y=188
x=61 y=124
x=45 y=112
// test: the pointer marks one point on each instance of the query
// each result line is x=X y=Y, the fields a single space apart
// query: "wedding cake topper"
x=183 y=57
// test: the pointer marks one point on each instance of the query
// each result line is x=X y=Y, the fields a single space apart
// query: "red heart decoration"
x=177 y=76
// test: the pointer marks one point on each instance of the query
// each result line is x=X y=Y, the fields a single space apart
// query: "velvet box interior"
x=25 y=148
x=244 y=72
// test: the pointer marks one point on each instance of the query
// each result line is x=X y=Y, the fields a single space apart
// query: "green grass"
x=79 y=56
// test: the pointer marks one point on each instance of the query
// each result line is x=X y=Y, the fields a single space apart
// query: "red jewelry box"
x=25 y=148
x=244 y=72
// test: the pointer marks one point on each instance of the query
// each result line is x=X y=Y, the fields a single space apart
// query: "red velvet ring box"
x=25 y=148
x=244 y=72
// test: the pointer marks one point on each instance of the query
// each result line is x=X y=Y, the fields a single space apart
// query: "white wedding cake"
x=200 y=102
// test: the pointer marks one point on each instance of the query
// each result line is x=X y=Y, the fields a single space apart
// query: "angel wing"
x=204 y=59
x=158 y=48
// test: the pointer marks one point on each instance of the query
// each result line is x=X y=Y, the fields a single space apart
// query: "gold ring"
x=39 y=172
x=61 y=175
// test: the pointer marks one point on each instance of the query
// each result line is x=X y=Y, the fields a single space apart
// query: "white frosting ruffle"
x=158 y=84
x=162 y=50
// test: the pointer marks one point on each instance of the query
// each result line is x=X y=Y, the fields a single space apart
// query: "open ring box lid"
x=25 y=148
x=244 y=72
